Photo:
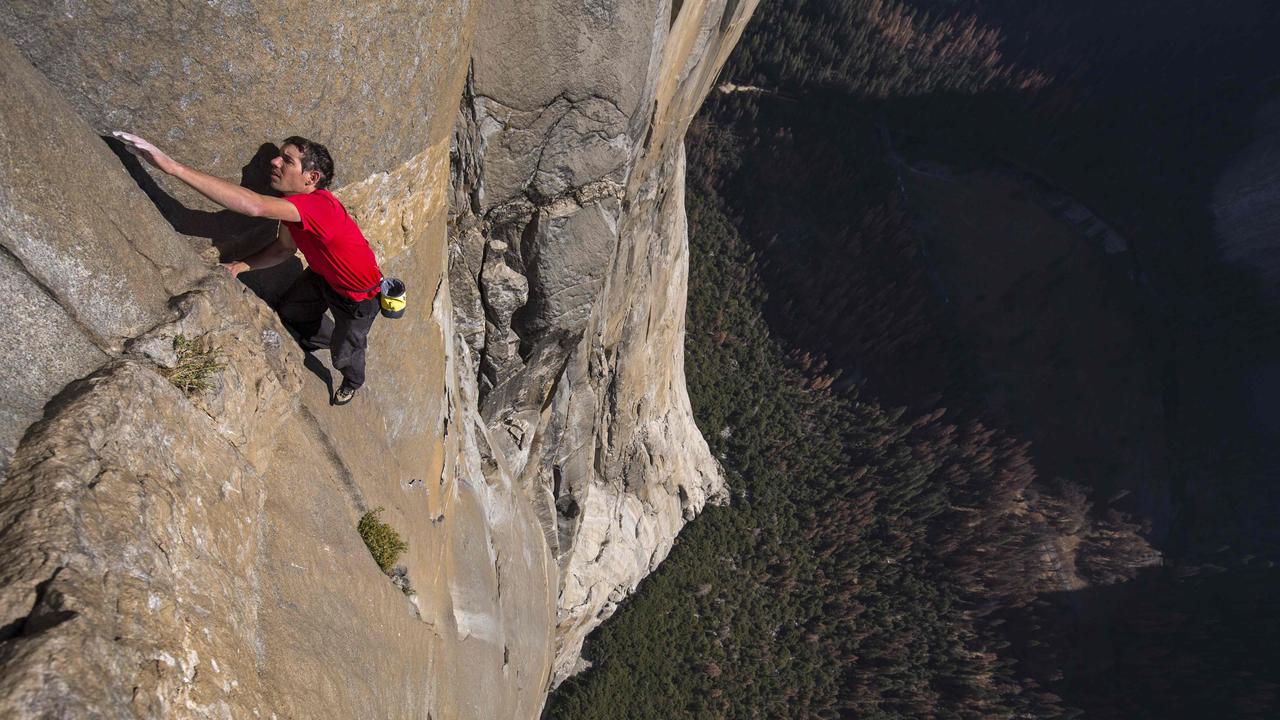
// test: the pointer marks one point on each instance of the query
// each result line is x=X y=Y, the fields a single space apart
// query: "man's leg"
x=301 y=309
x=352 y=322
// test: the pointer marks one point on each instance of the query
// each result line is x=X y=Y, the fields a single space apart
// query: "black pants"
x=346 y=336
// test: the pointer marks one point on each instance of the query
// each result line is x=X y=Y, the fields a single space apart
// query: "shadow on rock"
x=233 y=235
x=319 y=369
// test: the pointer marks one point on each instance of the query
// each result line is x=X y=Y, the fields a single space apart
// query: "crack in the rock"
x=563 y=95
x=347 y=479
x=160 y=270
x=163 y=552
x=527 y=205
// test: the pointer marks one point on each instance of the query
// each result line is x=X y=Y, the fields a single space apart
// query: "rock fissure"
x=333 y=457
x=564 y=96
x=523 y=209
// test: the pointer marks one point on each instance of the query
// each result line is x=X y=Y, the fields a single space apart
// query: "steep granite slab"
x=323 y=632
x=500 y=581
x=169 y=556
x=130 y=584
x=83 y=277
x=369 y=79
x=131 y=519
x=548 y=424
x=628 y=466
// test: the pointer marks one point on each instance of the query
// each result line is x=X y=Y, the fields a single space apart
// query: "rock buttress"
x=569 y=270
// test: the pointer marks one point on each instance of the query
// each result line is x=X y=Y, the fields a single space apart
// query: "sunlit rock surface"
x=525 y=426
x=575 y=181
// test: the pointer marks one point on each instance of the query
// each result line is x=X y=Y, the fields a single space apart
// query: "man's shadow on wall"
x=234 y=236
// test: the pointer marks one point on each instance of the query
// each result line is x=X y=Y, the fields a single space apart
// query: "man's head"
x=301 y=167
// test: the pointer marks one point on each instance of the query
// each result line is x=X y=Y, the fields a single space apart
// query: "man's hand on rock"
x=146 y=151
x=235 y=267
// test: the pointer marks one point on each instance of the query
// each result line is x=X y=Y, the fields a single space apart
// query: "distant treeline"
x=884 y=557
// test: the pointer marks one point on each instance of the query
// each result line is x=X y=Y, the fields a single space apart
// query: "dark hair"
x=314 y=157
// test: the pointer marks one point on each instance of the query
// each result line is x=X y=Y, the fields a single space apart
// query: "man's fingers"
x=133 y=142
x=137 y=151
x=127 y=137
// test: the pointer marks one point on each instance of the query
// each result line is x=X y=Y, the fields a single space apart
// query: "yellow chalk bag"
x=392 y=297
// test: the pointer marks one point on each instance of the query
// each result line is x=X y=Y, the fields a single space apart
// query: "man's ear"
x=313 y=177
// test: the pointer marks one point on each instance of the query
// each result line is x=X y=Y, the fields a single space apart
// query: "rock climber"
x=342 y=274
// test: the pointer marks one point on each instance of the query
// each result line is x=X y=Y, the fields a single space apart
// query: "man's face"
x=287 y=175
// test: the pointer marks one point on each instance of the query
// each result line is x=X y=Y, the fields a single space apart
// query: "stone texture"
x=211 y=81
x=632 y=466
x=71 y=216
x=548 y=151
x=566 y=260
x=504 y=292
x=579 y=172
x=137 y=596
x=41 y=350
x=395 y=209
x=87 y=262
x=525 y=425
x=577 y=109
x=466 y=260
x=197 y=557
x=132 y=531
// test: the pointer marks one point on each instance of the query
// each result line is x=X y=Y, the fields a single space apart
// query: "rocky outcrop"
x=574 y=182
x=525 y=426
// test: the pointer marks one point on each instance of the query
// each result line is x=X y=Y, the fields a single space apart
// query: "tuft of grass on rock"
x=197 y=363
x=384 y=543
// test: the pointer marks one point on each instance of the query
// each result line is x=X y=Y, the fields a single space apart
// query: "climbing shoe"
x=344 y=394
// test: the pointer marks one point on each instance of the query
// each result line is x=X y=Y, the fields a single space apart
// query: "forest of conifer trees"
x=891 y=549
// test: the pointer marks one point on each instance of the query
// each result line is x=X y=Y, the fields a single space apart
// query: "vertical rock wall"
x=568 y=262
x=525 y=426
x=173 y=556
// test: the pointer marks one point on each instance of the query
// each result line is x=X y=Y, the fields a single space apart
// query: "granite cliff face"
x=525 y=427
x=568 y=262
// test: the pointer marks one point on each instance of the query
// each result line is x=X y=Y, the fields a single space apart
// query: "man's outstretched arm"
x=277 y=252
x=228 y=195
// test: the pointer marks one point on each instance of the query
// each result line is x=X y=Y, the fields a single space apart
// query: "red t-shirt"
x=333 y=245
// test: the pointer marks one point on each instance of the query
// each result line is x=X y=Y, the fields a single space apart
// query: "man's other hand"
x=235 y=267
x=146 y=151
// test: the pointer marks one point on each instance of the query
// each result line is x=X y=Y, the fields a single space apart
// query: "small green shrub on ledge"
x=383 y=541
x=196 y=364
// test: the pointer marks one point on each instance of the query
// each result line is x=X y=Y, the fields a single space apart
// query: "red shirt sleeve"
x=316 y=210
